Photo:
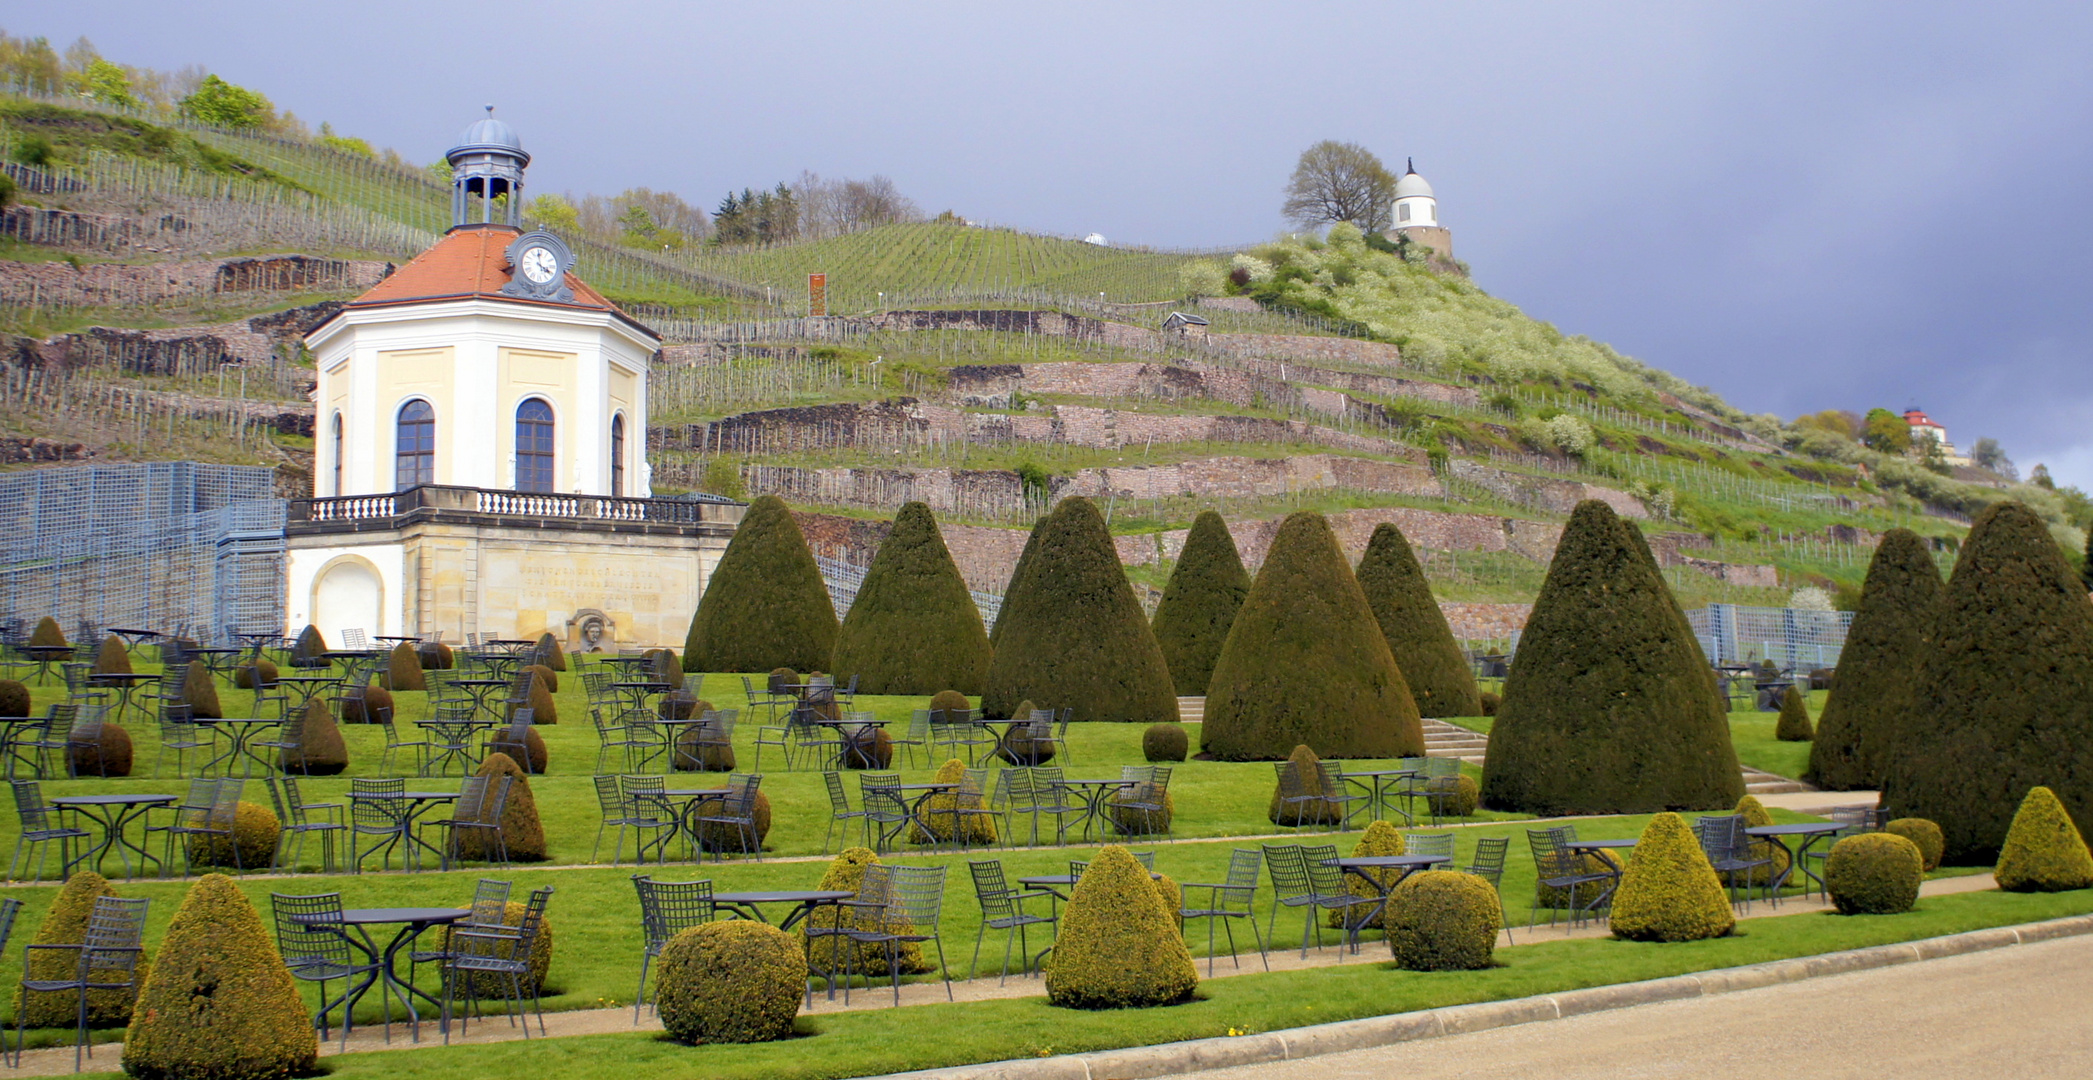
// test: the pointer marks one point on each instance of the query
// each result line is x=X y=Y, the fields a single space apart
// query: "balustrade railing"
x=519 y=504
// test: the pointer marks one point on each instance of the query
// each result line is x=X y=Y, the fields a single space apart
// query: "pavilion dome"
x=1412 y=184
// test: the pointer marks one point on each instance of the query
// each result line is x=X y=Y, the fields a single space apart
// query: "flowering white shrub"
x=1203 y=277
x=1810 y=598
x=1571 y=435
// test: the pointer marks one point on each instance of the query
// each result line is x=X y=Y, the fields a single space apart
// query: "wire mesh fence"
x=180 y=547
x=1795 y=639
x=844 y=578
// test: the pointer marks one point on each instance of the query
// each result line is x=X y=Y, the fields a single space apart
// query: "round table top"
x=53 y=650
x=309 y=678
x=1068 y=879
x=110 y=800
x=1366 y=862
x=697 y=793
x=236 y=720
x=1071 y=783
x=782 y=896
x=1804 y=828
x=216 y=650
x=121 y=676
x=650 y=684
x=355 y=916
x=1383 y=772
x=1599 y=843
x=425 y=795
x=919 y=787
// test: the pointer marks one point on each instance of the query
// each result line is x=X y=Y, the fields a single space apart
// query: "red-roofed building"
x=1925 y=427
x=481 y=454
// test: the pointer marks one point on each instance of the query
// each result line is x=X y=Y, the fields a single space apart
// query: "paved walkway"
x=2016 y=1012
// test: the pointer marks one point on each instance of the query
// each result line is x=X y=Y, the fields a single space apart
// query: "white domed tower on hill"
x=480 y=460
x=1417 y=216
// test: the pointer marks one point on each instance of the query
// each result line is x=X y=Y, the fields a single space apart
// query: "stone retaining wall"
x=1484 y=622
x=1545 y=493
x=58 y=284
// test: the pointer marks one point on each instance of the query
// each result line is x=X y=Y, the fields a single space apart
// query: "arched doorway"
x=348 y=595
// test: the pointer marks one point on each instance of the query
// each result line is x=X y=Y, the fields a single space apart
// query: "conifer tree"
x=913 y=628
x=1871 y=690
x=766 y=605
x=1431 y=661
x=1199 y=605
x=2004 y=698
x=1611 y=706
x=1073 y=636
x=1305 y=663
x=1017 y=574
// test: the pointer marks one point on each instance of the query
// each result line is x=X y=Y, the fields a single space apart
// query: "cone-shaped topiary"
x=1755 y=816
x=219 y=1005
x=1878 y=672
x=1437 y=672
x=733 y=839
x=548 y=653
x=14 y=698
x=949 y=701
x=403 y=668
x=1794 y=723
x=1199 y=605
x=938 y=815
x=521 y=830
x=1443 y=920
x=1073 y=634
x=1669 y=892
x=112 y=658
x=1306 y=663
x=1165 y=742
x=731 y=981
x=1117 y=947
x=307 y=650
x=436 y=656
x=488 y=985
x=200 y=692
x=255 y=675
x=913 y=627
x=320 y=751
x=766 y=604
x=1317 y=811
x=531 y=754
x=47 y=633
x=99 y=748
x=551 y=679
x=846 y=873
x=2044 y=851
x=1611 y=706
x=1874 y=873
x=252 y=845
x=1017 y=574
x=66 y=924
x=2004 y=699
x=376 y=700
x=544 y=710
x=1922 y=833
x=666 y=668
x=1017 y=746
x=696 y=755
x=1380 y=838
x=1490 y=702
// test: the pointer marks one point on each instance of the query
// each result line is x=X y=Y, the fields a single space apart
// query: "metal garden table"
x=1810 y=833
x=418 y=803
x=412 y=921
x=1093 y=793
x=1361 y=866
x=241 y=730
x=113 y=813
x=1380 y=785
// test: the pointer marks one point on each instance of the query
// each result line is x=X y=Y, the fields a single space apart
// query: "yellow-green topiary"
x=732 y=981
x=1131 y=810
x=47 y=634
x=1755 y=816
x=403 y=669
x=255 y=832
x=521 y=830
x=1173 y=898
x=1317 y=811
x=947 y=701
x=1443 y=920
x=829 y=952
x=1491 y=700
x=1118 y=947
x=2044 y=851
x=1927 y=835
x=14 y=698
x=321 y=751
x=494 y=986
x=1875 y=873
x=112 y=658
x=1380 y=838
x=219 y=1004
x=1165 y=742
x=733 y=839
x=245 y=676
x=200 y=693
x=66 y=924
x=1462 y=800
x=1669 y=892
x=973 y=828
x=1583 y=896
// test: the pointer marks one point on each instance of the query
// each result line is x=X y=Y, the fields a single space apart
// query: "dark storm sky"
x=1803 y=206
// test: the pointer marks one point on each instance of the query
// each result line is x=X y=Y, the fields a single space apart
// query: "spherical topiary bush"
x=1316 y=811
x=255 y=831
x=947 y=701
x=1380 y=838
x=1118 y=947
x=732 y=839
x=436 y=656
x=2044 y=851
x=66 y=924
x=938 y=812
x=258 y=674
x=495 y=986
x=100 y=749
x=868 y=748
x=1462 y=802
x=112 y=658
x=1133 y=810
x=1165 y=742
x=732 y=981
x=219 y=1004
x=1669 y=891
x=1017 y=746
x=1874 y=874
x=1794 y=723
x=846 y=873
x=1927 y=835
x=14 y=698
x=365 y=709
x=1442 y=920
x=403 y=668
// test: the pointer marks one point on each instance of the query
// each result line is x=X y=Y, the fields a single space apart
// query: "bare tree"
x=835 y=207
x=1337 y=181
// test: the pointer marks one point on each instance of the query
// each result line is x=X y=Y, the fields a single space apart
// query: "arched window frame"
x=617 y=455
x=336 y=431
x=414 y=462
x=537 y=453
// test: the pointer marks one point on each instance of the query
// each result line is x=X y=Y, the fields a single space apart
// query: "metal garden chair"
x=1488 y=864
x=381 y=815
x=736 y=811
x=301 y=819
x=1730 y=851
x=315 y=947
x=1226 y=902
x=1423 y=843
x=1003 y=908
x=897 y=905
x=106 y=959
x=839 y=809
x=1563 y=870
x=41 y=824
x=500 y=953
x=481 y=800
x=667 y=908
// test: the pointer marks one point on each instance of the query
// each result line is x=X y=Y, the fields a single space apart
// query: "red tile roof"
x=470 y=262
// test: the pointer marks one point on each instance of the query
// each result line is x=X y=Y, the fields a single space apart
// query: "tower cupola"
x=488 y=162
x=1414 y=202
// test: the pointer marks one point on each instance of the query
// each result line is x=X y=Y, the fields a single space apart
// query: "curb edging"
x=1291 y=1044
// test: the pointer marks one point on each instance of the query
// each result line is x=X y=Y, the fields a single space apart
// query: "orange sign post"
x=817 y=295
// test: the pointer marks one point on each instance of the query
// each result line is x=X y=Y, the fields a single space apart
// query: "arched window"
x=337 y=453
x=534 y=446
x=414 y=451
x=617 y=455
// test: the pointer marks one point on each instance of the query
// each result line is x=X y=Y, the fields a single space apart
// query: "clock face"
x=539 y=264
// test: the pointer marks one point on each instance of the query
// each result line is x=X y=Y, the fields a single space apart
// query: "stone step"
x=1191 y=710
